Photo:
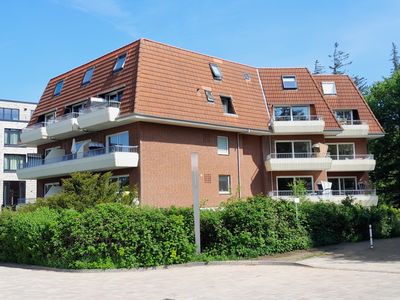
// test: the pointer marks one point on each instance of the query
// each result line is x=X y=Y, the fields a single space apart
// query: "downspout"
x=238 y=164
x=270 y=149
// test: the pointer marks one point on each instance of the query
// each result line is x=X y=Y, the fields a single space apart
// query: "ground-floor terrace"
x=156 y=159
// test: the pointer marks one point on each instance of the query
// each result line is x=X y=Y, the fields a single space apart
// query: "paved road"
x=349 y=271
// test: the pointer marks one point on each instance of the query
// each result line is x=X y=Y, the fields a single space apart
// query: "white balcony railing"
x=351 y=156
x=297 y=124
x=352 y=163
x=297 y=155
x=303 y=161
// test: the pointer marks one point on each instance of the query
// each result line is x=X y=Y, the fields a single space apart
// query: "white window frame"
x=287 y=77
x=119 y=176
x=223 y=151
x=338 y=177
x=229 y=185
x=292 y=141
x=337 y=148
x=324 y=83
x=295 y=177
x=51 y=184
x=46 y=117
x=114 y=134
x=342 y=110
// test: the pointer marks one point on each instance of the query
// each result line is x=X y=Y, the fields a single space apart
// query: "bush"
x=113 y=235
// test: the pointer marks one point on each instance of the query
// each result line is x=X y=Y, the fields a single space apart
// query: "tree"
x=318 y=68
x=395 y=58
x=361 y=84
x=384 y=99
x=340 y=59
x=83 y=190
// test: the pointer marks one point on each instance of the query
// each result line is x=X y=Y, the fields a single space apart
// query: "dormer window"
x=227 y=105
x=209 y=96
x=88 y=76
x=289 y=82
x=119 y=64
x=216 y=72
x=329 y=88
x=58 y=88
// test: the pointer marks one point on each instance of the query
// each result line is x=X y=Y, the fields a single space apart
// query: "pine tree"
x=318 y=68
x=395 y=58
x=340 y=59
x=361 y=84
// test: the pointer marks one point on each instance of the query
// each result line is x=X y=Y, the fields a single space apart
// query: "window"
x=344 y=116
x=119 y=64
x=289 y=82
x=9 y=114
x=292 y=113
x=115 y=96
x=284 y=183
x=58 y=88
x=209 y=96
x=341 y=151
x=216 y=72
x=50 y=118
x=223 y=146
x=224 y=184
x=227 y=105
x=12 y=136
x=342 y=184
x=293 y=149
x=48 y=186
x=12 y=162
x=76 y=108
x=119 y=139
x=329 y=88
x=122 y=180
x=88 y=75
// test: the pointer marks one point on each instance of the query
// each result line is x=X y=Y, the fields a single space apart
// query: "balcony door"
x=284 y=184
x=292 y=149
x=341 y=185
x=341 y=151
x=292 y=113
x=118 y=142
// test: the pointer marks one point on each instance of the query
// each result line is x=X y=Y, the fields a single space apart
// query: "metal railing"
x=37 y=160
x=67 y=116
x=99 y=105
x=351 y=122
x=289 y=193
x=34 y=126
x=352 y=156
x=297 y=155
x=298 y=118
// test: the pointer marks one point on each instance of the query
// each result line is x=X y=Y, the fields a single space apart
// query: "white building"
x=14 y=115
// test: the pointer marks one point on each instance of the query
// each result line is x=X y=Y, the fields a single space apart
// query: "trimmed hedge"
x=113 y=235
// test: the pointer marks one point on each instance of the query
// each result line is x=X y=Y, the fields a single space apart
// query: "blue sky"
x=43 y=38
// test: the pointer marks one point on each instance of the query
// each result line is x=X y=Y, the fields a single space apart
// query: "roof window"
x=209 y=96
x=329 y=88
x=58 y=88
x=88 y=75
x=119 y=64
x=289 y=82
x=227 y=105
x=216 y=72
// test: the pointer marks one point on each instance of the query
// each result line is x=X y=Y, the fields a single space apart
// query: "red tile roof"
x=348 y=97
x=306 y=93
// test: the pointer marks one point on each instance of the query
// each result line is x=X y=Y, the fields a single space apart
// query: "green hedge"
x=113 y=235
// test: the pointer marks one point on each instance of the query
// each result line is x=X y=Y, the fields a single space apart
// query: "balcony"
x=102 y=159
x=352 y=163
x=298 y=124
x=363 y=197
x=353 y=128
x=35 y=134
x=298 y=162
x=99 y=116
x=64 y=126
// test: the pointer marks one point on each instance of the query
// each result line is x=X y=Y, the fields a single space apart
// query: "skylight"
x=119 y=64
x=209 y=96
x=289 y=82
x=88 y=75
x=58 y=88
x=216 y=72
x=329 y=88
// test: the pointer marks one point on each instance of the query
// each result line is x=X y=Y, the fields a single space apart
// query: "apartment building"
x=140 y=111
x=14 y=116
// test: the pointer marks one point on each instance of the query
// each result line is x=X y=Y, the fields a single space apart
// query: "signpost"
x=196 y=201
x=296 y=201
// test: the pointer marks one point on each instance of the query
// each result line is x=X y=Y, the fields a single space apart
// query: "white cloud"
x=110 y=11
